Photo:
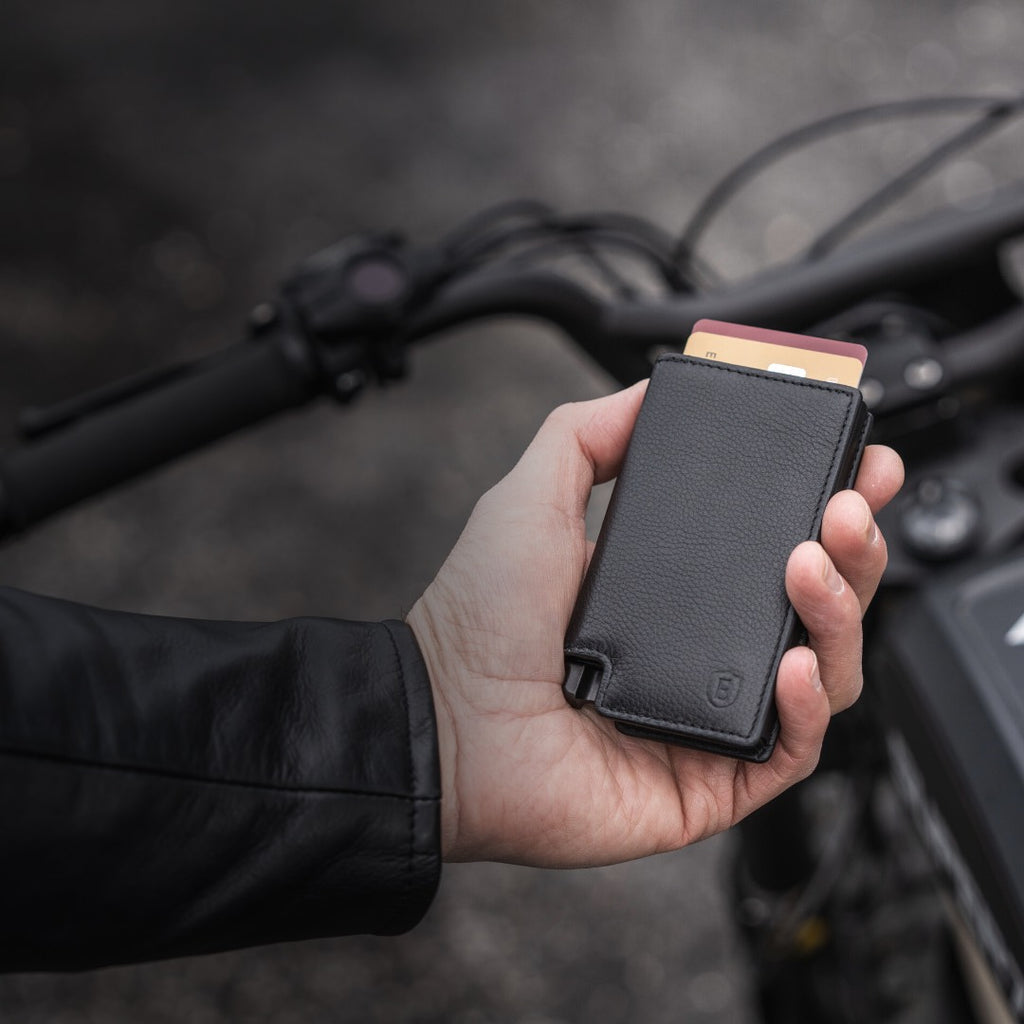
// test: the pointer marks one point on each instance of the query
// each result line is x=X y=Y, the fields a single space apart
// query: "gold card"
x=762 y=355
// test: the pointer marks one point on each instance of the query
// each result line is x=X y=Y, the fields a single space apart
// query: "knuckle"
x=833 y=619
x=883 y=553
x=808 y=764
x=797 y=765
x=857 y=688
x=846 y=611
x=562 y=418
x=489 y=502
x=847 y=695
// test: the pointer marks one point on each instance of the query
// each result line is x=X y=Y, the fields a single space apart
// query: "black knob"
x=941 y=520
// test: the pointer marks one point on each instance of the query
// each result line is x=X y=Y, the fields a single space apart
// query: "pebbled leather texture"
x=683 y=610
x=171 y=787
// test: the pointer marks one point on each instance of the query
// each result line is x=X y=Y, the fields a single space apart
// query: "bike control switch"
x=683 y=617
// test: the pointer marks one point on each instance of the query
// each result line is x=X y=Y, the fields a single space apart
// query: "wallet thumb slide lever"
x=683 y=618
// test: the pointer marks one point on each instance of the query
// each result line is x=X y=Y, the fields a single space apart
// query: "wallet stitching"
x=861 y=440
x=697 y=731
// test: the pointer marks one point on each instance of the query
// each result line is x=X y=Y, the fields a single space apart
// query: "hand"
x=526 y=778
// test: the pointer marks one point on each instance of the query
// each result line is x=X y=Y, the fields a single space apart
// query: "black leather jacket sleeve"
x=171 y=787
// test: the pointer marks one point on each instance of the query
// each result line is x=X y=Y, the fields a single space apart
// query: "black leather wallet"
x=683 y=617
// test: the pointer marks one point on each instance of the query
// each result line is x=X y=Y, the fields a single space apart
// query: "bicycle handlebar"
x=185 y=409
x=542 y=295
x=214 y=397
x=797 y=297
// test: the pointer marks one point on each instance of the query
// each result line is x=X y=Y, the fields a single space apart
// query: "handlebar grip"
x=214 y=397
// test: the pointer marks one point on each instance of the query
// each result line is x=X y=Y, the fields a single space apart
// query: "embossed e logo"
x=724 y=687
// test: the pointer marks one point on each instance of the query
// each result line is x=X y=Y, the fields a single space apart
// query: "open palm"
x=528 y=779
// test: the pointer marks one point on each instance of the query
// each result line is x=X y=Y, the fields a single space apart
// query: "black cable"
x=578 y=245
x=509 y=210
x=989 y=123
x=553 y=248
x=756 y=163
x=523 y=222
x=696 y=273
x=490 y=243
x=646 y=237
x=605 y=268
x=670 y=274
x=577 y=224
x=658 y=237
x=617 y=230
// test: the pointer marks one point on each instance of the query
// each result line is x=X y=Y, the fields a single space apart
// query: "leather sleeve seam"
x=405 y=702
x=410 y=863
x=164 y=773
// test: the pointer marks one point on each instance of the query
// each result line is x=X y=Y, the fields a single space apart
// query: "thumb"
x=580 y=444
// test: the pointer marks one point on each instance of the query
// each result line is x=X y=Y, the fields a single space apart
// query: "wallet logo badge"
x=724 y=688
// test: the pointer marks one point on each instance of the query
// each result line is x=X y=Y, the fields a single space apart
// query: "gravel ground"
x=163 y=165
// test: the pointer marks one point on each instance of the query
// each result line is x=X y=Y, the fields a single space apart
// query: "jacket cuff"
x=425 y=777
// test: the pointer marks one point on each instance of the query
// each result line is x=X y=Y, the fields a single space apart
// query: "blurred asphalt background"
x=163 y=164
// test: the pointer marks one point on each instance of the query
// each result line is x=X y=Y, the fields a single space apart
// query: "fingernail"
x=815 y=674
x=833 y=580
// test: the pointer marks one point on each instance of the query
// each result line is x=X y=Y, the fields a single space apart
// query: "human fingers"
x=855 y=544
x=804 y=714
x=880 y=476
x=578 y=445
x=830 y=611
